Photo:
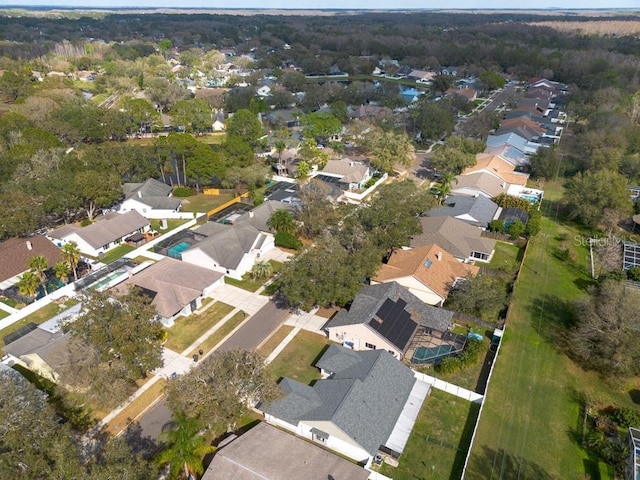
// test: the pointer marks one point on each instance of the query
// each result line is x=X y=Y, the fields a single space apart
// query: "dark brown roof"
x=15 y=254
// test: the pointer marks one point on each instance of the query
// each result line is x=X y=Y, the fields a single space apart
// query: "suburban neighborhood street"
x=248 y=336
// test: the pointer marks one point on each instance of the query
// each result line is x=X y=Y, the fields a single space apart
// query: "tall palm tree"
x=28 y=284
x=186 y=448
x=282 y=221
x=71 y=255
x=261 y=270
x=444 y=188
x=39 y=267
x=62 y=271
x=280 y=147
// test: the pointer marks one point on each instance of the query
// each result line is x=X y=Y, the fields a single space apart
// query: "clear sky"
x=333 y=4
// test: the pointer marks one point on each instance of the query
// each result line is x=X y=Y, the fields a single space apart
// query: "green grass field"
x=116 y=253
x=439 y=441
x=188 y=330
x=298 y=358
x=247 y=283
x=532 y=424
x=204 y=203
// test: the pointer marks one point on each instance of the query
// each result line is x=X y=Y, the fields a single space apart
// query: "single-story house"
x=421 y=76
x=176 y=288
x=257 y=455
x=229 y=249
x=351 y=174
x=16 y=253
x=479 y=183
x=511 y=154
x=151 y=199
x=469 y=94
x=476 y=210
x=368 y=400
x=107 y=232
x=218 y=124
x=498 y=167
x=385 y=316
x=465 y=242
x=429 y=272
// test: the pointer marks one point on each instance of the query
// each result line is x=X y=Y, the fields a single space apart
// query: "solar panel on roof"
x=394 y=323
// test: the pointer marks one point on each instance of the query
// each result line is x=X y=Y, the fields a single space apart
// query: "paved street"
x=249 y=336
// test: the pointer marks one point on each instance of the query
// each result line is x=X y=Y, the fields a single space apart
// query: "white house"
x=107 y=232
x=151 y=199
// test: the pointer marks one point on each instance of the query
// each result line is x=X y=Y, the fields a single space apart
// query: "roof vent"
x=439 y=256
x=29 y=245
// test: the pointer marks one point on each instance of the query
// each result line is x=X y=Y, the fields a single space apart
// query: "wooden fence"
x=233 y=201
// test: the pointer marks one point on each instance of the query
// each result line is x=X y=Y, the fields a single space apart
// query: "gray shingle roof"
x=153 y=193
x=107 y=229
x=259 y=216
x=364 y=397
x=228 y=246
x=368 y=301
x=478 y=210
x=457 y=237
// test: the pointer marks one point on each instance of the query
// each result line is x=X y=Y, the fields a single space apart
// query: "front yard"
x=248 y=283
x=188 y=329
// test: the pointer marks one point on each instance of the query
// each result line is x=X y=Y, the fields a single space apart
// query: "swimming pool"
x=108 y=279
x=176 y=250
x=530 y=198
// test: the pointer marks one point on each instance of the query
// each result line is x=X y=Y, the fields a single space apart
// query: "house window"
x=319 y=436
x=479 y=255
x=369 y=345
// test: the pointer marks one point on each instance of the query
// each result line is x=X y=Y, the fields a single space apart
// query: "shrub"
x=534 y=225
x=287 y=240
x=626 y=417
x=470 y=356
x=634 y=274
x=85 y=222
x=507 y=201
x=370 y=182
x=183 y=192
x=496 y=226
x=517 y=229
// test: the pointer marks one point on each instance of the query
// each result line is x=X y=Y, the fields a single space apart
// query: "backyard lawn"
x=439 y=441
x=203 y=203
x=188 y=330
x=531 y=424
x=116 y=253
x=506 y=258
x=171 y=224
x=297 y=359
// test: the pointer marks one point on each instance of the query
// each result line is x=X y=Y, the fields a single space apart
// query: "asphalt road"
x=248 y=337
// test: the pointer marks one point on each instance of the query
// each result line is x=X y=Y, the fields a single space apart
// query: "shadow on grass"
x=635 y=395
x=465 y=442
x=555 y=318
x=498 y=464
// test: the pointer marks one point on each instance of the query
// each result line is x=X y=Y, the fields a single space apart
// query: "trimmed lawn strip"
x=188 y=330
x=532 y=414
x=247 y=283
x=39 y=316
x=135 y=408
x=204 y=203
x=116 y=253
x=172 y=223
x=298 y=358
x=3 y=314
x=217 y=337
x=269 y=346
x=439 y=440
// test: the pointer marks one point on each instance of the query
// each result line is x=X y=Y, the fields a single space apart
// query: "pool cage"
x=176 y=244
x=119 y=266
x=430 y=347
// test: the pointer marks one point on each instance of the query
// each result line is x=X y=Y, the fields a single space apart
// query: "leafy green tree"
x=62 y=271
x=117 y=460
x=432 y=120
x=320 y=125
x=96 y=190
x=217 y=391
x=492 y=80
x=164 y=46
x=441 y=83
x=71 y=256
x=534 y=224
x=457 y=154
x=15 y=85
x=125 y=330
x=589 y=194
x=388 y=149
x=238 y=152
x=606 y=334
x=545 y=163
x=185 y=447
x=28 y=284
x=245 y=124
x=517 y=229
x=482 y=296
x=496 y=226
x=39 y=267
x=141 y=112
x=312 y=155
x=21 y=213
x=282 y=220
x=194 y=114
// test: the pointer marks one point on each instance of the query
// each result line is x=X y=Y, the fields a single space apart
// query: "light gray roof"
x=153 y=193
x=508 y=152
x=370 y=298
x=480 y=209
x=227 y=247
x=258 y=454
x=457 y=237
x=107 y=229
x=259 y=216
x=480 y=182
x=364 y=397
x=507 y=139
x=50 y=347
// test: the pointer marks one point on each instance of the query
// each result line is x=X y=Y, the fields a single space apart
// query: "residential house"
x=477 y=210
x=385 y=316
x=107 y=232
x=465 y=242
x=369 y=112
x=469 y=94
x=421 y=76
x=16 y=253
x=513 y=140
x=498 y=167
x=428 y=271
x=450 y=71
x=511 y=154
x=176 y=288
x=478 y=183
x=151 y=199
x=264 y=91
x=257 y=455
x=350 y=174
x=368 y=401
